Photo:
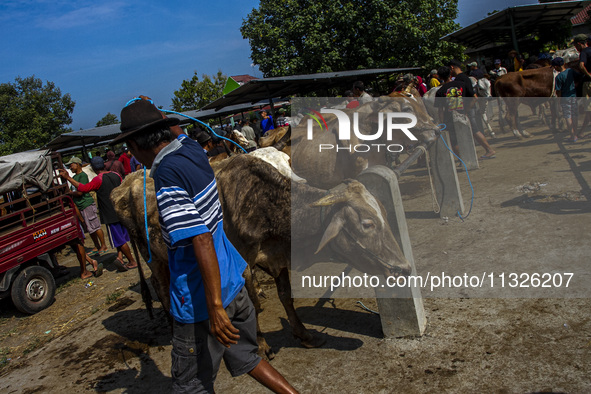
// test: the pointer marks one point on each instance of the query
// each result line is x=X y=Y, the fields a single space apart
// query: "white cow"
x=279 y=160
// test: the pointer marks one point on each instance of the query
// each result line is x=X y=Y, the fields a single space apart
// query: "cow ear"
x=333 y=229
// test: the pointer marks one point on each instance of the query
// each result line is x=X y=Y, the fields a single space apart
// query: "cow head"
x=359 y=232
x=425 y=129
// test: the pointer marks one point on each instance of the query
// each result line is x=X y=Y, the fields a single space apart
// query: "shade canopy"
x=504 y=27
x=266 y=88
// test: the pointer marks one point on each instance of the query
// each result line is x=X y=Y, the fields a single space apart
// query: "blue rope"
x=146 y=218
x=204 y=124
x=442 y=127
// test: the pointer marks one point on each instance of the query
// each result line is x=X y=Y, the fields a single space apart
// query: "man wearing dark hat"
x=213 y=315
x=103 y=184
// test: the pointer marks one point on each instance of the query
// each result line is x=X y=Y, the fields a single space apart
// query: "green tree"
x=195 y=94
x=290 y=37
x=32 y=114
x=108 y=119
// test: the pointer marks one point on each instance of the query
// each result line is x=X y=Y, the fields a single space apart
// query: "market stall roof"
x=84 y=137
x=266 y=88
x=100 y=135
x=507 y=26
x=229 y=110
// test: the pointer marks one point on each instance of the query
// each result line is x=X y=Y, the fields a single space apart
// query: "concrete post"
x=465 y=141
x=445 y=178
x=401 y=309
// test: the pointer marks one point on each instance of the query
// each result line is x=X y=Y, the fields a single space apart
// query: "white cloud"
x=84 y=16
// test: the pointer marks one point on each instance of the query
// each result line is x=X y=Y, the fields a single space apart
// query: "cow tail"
x=144 y=289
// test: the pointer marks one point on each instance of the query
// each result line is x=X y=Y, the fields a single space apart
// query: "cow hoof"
x=313 y=340
x=526 y=134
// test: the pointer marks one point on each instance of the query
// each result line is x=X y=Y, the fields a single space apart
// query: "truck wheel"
x=33 y=289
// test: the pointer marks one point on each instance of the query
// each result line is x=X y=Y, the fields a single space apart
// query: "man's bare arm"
x=220 y=325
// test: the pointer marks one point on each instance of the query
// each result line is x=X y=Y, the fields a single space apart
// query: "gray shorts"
x=91 y=219
x=569 y=107
x=196 y=354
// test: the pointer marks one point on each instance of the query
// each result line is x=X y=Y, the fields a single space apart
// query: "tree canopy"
x=195 y=94
x=32 y=114
x=108 y=119
x=289 y=37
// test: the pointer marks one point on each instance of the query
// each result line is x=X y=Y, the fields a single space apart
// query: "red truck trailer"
x=37 y=219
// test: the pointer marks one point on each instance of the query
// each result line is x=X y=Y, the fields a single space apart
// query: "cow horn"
x=330 y=199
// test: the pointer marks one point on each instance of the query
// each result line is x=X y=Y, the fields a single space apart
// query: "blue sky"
x=105 y=52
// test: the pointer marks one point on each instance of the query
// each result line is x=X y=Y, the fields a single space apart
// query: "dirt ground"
x=531 y=210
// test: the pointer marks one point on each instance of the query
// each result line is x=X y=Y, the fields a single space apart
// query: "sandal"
x=99 y=270
x=120 y=265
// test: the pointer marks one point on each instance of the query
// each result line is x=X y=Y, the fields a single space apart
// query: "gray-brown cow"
x=257 y=203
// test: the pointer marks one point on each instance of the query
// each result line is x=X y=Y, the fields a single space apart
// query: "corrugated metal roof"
x=582 y=16
x=266 y=88
x=84 y=137
x=527 y=19
x=99 y=135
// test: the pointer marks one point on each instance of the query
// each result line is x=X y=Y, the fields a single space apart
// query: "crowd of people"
x=92 y=217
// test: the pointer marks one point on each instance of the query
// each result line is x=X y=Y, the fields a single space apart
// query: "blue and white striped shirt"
x=188 y=204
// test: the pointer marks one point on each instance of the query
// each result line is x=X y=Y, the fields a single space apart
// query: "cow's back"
x=527 y=83
x=256 y=202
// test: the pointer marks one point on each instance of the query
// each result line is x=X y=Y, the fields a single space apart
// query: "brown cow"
x=536 y=86
x=257 y=202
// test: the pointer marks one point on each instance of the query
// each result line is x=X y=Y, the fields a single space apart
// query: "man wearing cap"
x=281 y=119
x=87 y=208
x=472 y=66
x=497 y=71
x=213 y=315
x=103 y=184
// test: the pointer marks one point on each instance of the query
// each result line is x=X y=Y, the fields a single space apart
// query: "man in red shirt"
x=125 y=158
